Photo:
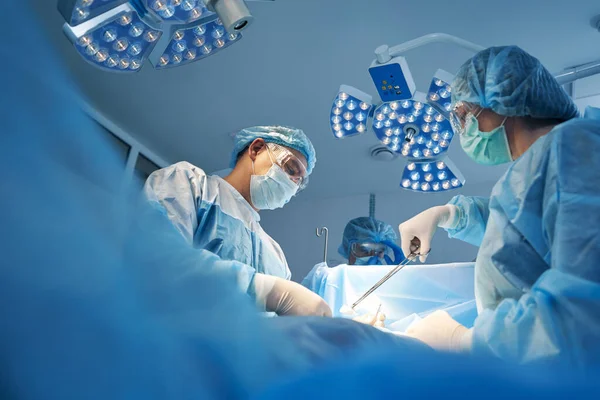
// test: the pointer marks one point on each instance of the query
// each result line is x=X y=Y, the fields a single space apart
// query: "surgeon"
x=270 y=165
x=368 y=241
x=537 y=275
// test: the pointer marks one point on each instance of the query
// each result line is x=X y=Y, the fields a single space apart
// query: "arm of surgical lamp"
x=384 y=53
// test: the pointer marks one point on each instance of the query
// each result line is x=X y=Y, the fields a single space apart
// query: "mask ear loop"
x=270 y=158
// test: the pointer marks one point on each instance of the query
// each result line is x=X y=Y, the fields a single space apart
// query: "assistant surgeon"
x=537 y=273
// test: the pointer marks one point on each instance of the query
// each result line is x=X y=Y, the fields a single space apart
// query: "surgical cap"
x=292 y=138
x=512 y=83
x=365 y=229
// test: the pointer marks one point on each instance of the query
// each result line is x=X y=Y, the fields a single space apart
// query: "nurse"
x=537 y=275
x=271 y=164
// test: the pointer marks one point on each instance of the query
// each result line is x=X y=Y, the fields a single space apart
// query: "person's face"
x=291 y=161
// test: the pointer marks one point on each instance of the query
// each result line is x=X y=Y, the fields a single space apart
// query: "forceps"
x=387 y=276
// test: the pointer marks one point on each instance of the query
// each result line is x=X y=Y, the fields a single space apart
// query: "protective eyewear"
x=459 y=115
x=289 y=163
x=368 y=249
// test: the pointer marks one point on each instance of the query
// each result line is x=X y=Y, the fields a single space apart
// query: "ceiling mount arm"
x=385 y=53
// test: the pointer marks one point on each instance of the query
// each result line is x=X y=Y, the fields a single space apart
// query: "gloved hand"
x=288 y=298
x=419 y=230
x=440 y=331
x=370 y=319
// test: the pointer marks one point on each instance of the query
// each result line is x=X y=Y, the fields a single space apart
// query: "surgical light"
x=440 y=92
x=393 y=79
x=417 y=130
x=431 y=176
x=116 y=41
x=120 y=35
x=350 y=111
x=192 y=44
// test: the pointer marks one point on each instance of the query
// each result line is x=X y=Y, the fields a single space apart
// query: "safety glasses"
x=289 y=163
x=368 y=249
x=460 y=115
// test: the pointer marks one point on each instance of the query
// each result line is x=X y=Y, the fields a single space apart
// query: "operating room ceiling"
x=290 y=63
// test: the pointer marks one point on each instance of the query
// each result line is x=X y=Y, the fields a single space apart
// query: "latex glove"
x=370 y=319
x=440 y=331
x=288 y=298
x=419 y=230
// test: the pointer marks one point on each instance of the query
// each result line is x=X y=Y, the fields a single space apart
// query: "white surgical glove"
x=369 y=319
x=423 y=227
x=288 y=298
x=440 y=331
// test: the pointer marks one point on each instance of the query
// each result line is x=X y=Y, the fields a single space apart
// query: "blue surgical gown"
x=537 y=275
x=213 y=216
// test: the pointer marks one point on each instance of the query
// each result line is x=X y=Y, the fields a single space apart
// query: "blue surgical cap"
x=512 y=83
x=365 y=229
x=292 y=138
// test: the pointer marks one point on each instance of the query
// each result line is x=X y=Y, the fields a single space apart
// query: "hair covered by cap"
x=512 y=83
x=292 y=138
x=365 y=229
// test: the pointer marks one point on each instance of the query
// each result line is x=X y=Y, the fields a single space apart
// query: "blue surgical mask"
x=271 y=190
x=489 y=148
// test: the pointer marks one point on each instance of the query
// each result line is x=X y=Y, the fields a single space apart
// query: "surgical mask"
x=489 y=148
x=272 y=190
x=386 y=260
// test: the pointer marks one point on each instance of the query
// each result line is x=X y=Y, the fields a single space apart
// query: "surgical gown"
x=213 y=216
x=537 y=275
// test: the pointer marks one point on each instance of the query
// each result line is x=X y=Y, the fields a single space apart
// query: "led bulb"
x=200 y=30
x=110 y=35
x=351 y=105
x=190 y=54
x=92 y=49
x=411 y=166
x=101 y=55
x=405 y=183
x=136 y=30
x=121 y=44
x=164 y=60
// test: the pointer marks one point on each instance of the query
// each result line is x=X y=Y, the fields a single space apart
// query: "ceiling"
x=290 y=63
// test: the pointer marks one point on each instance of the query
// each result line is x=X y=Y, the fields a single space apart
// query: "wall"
x=294 y=225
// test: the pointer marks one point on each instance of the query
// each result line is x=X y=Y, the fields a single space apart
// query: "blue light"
x=440 y=92
x=422 y=132
x=431 y=176
x=113 y=47
x=76 y=12
x=180 y=11
x=195 y=43
x=349 y=112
